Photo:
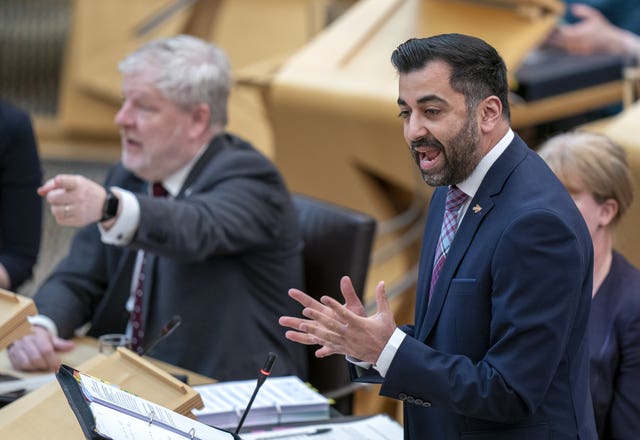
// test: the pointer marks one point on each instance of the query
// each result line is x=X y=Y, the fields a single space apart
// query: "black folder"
x=69 y=381
x=78 y=403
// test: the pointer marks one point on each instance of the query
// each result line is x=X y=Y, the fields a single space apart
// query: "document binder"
x=77 y=403
x=126 y=414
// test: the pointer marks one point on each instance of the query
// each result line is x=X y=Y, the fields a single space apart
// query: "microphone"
x=264 y=373
x=168 y=328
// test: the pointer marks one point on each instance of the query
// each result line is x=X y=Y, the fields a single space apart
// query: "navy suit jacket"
x=20 y=204
x=614 y=341
x=501 y=350
x=222 y=254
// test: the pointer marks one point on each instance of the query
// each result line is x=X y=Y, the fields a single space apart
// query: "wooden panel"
x=341 y=89
x=103 y=33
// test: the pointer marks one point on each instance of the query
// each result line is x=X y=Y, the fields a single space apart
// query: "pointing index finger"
x=65 y=182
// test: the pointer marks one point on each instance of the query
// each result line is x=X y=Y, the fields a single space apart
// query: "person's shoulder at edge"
x=626 y=273
x=13 y=115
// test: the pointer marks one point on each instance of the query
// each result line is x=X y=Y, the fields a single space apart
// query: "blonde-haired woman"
x=595 y=172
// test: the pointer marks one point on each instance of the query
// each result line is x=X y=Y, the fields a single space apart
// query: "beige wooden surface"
x=103 y=33
x=45 y=413
x=14 y=310
x=85 y=349
x=333 y=103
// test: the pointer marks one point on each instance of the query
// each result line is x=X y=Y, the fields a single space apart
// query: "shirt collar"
x=173 y=183
x=471 y=184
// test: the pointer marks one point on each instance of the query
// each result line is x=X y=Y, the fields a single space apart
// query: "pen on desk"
x=294 y=433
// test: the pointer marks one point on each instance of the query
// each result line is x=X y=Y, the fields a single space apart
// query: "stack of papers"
x=378 y=427
x=279 y=400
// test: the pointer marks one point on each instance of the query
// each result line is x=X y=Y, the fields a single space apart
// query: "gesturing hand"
x=74 y=200
x=342 y=329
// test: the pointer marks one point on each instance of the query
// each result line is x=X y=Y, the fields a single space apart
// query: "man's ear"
x=199 y=120
x=489 y=113
x=608 y=211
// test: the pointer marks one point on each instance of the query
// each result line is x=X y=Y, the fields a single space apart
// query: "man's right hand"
x=74 y=200
x=38 y=351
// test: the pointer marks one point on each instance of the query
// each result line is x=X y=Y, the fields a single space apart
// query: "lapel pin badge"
x=477 y=209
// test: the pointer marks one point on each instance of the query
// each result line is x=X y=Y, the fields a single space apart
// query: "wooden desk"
x=87 y=348
x=139 y=375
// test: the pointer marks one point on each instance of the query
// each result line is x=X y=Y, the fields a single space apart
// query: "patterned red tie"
x=455 y=199
x=137 y=321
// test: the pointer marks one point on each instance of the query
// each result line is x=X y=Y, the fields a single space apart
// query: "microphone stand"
x=264 y=373
x=168 y=328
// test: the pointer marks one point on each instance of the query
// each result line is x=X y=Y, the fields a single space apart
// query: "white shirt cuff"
x=126 y=225
x=44 y=322
x=358 y=362
x=389 y=351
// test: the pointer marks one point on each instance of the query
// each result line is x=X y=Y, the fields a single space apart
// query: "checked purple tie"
x=455 y=199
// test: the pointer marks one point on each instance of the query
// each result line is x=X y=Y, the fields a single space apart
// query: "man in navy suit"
x=498 y=348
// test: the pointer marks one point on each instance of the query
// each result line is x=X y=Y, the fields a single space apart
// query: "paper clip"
x=151 y=416
x=192 y=433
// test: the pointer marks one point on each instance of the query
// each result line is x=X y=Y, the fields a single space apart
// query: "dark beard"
x=461 y=156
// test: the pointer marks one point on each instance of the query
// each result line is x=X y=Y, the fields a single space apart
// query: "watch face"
x=110 y=208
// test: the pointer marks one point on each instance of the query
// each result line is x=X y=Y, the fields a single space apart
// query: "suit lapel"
x=429 y=242
x=215 y=146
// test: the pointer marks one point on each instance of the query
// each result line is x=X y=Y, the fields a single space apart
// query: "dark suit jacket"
x=500 y=352
x=20 y=205
x=222 y=255
x=614 y=341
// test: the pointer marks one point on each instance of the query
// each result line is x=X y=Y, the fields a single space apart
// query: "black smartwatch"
x=110 y=207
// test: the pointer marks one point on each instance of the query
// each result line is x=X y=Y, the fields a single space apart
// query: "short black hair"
x=477 y=70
